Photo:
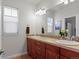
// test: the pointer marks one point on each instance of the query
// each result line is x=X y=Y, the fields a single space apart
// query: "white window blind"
x=10 y=20
x=49 y=25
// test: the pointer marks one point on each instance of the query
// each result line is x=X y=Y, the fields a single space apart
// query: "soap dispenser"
x=42 y=30
x=27 y=29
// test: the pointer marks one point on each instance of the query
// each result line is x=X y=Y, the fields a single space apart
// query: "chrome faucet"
x=70 y=38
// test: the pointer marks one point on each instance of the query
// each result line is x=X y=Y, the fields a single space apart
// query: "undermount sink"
x=67 y=42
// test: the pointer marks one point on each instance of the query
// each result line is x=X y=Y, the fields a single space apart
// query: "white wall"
x=14 y=45
x=68 y=11
x=36 y=22
x=0 y=26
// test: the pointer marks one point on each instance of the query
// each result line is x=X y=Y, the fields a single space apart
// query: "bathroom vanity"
x=47 y=48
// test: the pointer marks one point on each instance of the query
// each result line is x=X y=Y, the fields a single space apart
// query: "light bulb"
x=72 y=0
x=66 y=2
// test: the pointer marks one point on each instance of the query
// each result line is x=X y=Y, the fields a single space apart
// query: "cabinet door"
x=63 y=57
x=29 y=46
x=40 y=57
x=33 y=49
x=51 y=55
x=52 y=52
x=40 y=51
x=69 y=54
x=33 y=53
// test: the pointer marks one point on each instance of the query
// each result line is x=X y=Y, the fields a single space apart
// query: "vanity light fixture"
x=72 y=0
x=67 y=1
x=41 y=12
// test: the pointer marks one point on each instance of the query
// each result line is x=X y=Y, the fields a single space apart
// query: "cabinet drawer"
x=31 y=40
x=39 y=43
x=68 y=53
x=52 y=48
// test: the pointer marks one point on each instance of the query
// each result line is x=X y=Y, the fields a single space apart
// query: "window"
x=57 y=25
x=49 y=25
x=10 y=20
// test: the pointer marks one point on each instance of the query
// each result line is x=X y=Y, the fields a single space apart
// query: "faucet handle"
x=73 y=38
x=77 y=38
x=67 y=38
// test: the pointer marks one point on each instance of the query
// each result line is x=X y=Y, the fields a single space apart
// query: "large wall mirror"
x=70 y=25
x=67 y=26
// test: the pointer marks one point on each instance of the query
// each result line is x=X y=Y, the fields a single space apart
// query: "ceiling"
x=62 y=5
x=47 y=4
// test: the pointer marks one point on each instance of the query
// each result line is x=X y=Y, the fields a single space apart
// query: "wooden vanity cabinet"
x=52 y=52
x=40 y=50
x=67 y=54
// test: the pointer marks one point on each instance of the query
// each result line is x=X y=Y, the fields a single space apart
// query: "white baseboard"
x=19 y=54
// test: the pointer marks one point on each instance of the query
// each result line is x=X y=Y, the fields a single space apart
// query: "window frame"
x=11 y=34
x=51 y=25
